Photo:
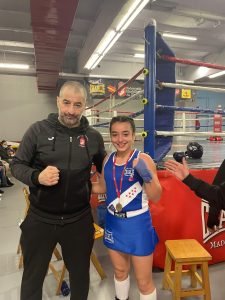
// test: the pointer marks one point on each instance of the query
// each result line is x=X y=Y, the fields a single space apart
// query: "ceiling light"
x=97 y=57
x=139 y=55
x=216 y=74
x=14 y=66
x=16 y=44
x=179 y=36
x=105 y=42
x=91 y=60
x=116 y=37
x=113 y=35
x=131 y=14
x=202 y=71
x=97 y=62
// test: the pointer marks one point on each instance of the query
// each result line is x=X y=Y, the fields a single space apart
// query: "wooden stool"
x=186 y=253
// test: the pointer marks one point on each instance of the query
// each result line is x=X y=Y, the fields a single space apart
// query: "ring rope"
x=191 y=133
x=133 y=115
x=108 y=134
x=193 y=126
x=209 y=111
x=118 y=104
x=178 y=133
x=177 y=108
x=199 y=119
x=110 y=118
x=110 y=110
x=191 y=87
x=119 y=89
x=191 y=62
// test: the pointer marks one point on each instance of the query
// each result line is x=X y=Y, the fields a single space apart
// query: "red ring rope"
x=192 y=62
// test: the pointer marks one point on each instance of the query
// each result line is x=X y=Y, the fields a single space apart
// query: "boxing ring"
x=163 y=128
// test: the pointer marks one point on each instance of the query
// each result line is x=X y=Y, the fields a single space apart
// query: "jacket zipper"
x=68 y=170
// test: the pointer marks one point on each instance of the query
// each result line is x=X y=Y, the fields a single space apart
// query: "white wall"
x=21 y=105
x=118 y=69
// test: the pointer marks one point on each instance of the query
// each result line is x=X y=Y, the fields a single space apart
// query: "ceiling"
x=56 y=38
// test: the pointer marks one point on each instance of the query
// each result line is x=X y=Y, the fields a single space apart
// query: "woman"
x=129 y=179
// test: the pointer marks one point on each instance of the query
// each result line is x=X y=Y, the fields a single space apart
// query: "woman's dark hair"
x=122 y=119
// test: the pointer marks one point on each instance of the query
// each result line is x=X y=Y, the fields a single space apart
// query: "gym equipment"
x=194 y=150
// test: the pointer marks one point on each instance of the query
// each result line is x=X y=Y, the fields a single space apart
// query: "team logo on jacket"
x=82 y=140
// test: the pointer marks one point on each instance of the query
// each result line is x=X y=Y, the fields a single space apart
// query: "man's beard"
x=74 y=121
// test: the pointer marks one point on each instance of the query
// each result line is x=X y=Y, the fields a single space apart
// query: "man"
x=54 y=159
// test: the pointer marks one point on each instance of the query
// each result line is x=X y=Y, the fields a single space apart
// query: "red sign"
x=217 y=123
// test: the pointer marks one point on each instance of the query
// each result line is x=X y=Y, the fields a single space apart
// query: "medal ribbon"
x=118 y=191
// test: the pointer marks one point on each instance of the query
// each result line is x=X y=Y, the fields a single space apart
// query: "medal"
x=119 y=207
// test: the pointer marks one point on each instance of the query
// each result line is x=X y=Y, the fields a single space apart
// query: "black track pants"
x=38 y=241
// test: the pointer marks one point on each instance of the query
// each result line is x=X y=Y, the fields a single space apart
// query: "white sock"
x=151 y=296
x=122 y=288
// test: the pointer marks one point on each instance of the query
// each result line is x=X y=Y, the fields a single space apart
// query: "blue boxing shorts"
x=134 y=235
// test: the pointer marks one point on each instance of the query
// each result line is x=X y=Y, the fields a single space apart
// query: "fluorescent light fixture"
x=179 y=36
x=91 y=60
x=16 y=44
x=113 y=35
x=97 y=62
x=106 y=50
x=112 y=42
x=202 y=71
x=139 y=55
x=106 y=41
x=131 y=14
x=14 y=66
x=221 y=73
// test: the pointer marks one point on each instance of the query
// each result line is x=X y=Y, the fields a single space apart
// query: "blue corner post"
x=149 y=90
x=159 y=71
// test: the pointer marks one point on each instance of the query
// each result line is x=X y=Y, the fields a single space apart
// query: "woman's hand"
x=180 y=170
